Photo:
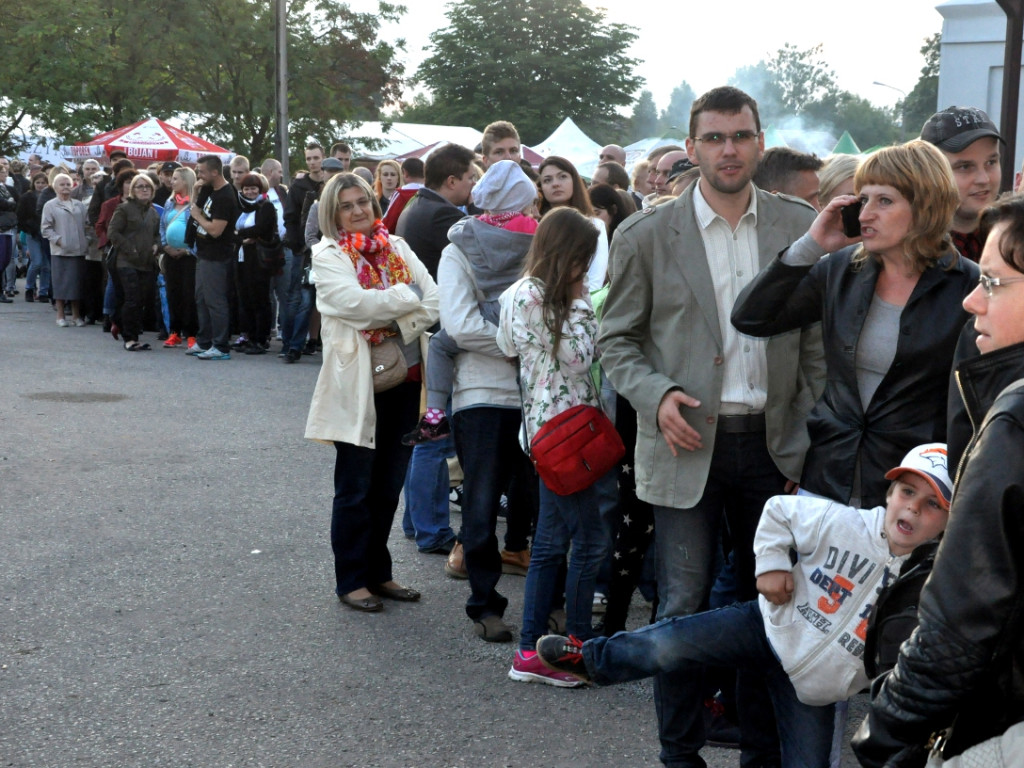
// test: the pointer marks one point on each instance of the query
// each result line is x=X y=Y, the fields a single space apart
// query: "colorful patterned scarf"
x=377 y=265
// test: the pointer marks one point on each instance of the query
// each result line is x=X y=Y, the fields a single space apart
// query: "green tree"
x=677 y=114
x=533 y=62
x=83 y=67
x=644 y=120
x=757 y=81
x=802 y=76
x=923 y=101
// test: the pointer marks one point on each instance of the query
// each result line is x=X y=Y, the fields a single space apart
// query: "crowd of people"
x=810 y=370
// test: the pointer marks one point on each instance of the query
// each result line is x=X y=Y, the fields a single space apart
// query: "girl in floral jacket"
x=548 y=322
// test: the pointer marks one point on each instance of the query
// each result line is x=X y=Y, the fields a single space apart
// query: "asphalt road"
x=166 y=588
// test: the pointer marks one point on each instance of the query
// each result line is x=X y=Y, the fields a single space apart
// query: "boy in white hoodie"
x=806 y=631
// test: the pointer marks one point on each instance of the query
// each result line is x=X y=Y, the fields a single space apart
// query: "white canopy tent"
x=405 y=138
x=570 y=142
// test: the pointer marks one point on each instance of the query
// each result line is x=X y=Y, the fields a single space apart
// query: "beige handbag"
x=388 y=364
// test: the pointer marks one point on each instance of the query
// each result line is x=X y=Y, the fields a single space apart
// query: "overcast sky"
x=704 y=41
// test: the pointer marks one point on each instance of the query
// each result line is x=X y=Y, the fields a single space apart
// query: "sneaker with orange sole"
x=174 y=340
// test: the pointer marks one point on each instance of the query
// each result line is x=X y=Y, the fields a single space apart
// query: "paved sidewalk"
x=166 y=587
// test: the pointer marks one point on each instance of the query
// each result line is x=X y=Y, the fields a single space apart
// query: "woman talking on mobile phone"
x=889 y=303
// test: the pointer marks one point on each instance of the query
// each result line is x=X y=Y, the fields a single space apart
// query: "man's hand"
x=776 y=586
x=672 y=423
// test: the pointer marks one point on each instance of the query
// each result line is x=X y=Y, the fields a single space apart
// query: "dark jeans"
x=92 y=289
x=180 y=278
x=253 y=282
x=731 y=636
x=487 y=444
x=212 y=307
x=135 y=284
x=367 y=484
x=741 y=479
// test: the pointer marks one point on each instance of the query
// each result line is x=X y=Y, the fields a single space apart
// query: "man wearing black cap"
x=165 y=173
x=970 y=140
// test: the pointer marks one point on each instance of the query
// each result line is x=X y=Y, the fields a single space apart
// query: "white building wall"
x=971 y=68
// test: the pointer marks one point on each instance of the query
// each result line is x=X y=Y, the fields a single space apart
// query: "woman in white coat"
x=370 y=289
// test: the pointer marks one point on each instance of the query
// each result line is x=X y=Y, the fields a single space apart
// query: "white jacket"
x=843 y=556
x=342 y=408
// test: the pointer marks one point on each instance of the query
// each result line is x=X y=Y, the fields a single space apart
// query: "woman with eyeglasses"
x=889 y=303
x=134 y=230
x=964 y=665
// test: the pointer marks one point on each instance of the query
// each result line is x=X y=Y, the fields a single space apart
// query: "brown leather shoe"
x=370 y=604
x=515 y=563
x=455 y=565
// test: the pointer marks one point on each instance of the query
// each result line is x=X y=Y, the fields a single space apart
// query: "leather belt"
x=746 y=422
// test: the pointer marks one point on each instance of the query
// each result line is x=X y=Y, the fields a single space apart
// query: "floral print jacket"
x=552 y=380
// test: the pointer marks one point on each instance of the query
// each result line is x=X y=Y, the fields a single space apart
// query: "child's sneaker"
x=425 y=432
x=527 y=668
x=563 y=655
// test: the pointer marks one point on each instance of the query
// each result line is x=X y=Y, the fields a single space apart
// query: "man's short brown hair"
x=497 y=131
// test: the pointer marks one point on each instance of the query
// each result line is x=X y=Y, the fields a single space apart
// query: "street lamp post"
x=903 y=108
x=281 y=81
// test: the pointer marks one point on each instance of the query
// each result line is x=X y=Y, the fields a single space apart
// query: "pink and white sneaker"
x=527 y=668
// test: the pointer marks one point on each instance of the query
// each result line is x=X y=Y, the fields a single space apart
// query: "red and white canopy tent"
x=147 y=141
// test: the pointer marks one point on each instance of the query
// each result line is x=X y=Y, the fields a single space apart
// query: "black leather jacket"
x=909 y=406
x=965 y=663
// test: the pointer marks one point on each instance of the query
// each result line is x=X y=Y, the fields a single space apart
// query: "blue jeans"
x=563 y=520
x=730 y=636
x=301 y=299
x=487 y=443
x=741 y=479
x=367 y=484
x=426 y=493
x=281 y=286
x=38 y=266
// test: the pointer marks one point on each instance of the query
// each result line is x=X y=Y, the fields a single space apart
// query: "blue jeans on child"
x=426 y=494
x=564 y=520
x=730 y=636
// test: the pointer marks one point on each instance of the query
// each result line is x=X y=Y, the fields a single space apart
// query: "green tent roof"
x=846 y=145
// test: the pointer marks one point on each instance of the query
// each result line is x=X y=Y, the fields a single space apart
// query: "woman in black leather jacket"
x=890 y=311
x=964 y=665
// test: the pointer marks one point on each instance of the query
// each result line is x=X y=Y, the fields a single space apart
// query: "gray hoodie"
x=480 y=262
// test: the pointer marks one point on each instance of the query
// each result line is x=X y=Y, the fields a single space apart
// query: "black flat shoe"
x=370 y=604
x=405 y=594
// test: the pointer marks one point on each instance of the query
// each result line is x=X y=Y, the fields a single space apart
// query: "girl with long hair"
x=561 y=186
x=548 y=322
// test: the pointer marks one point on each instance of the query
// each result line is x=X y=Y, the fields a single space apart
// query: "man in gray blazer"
x=721 y=416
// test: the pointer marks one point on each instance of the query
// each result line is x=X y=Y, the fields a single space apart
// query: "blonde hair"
x=330 y=203
x=836 y=170
x=922 y=174
x=187 y=175
x=378 y=187
x=142 y=178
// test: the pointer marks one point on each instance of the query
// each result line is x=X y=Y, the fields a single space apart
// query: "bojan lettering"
x=140 y=152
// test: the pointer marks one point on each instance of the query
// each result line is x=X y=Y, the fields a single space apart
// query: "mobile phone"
x=851 y=219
